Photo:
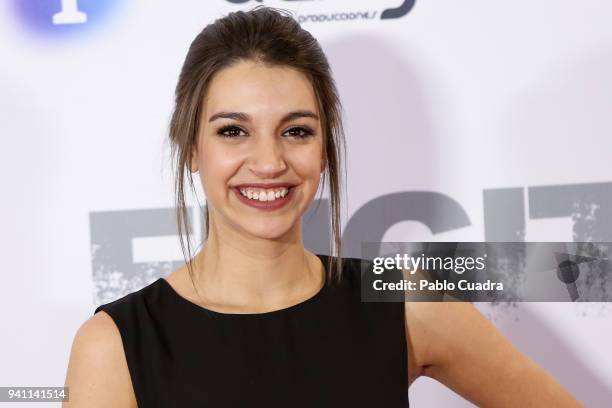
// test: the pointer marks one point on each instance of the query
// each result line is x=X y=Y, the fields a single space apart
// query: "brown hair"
x=274 y=37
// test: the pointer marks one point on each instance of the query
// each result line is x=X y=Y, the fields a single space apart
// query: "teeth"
x=264 y=195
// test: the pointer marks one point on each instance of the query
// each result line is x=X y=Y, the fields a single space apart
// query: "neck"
x=250 y=273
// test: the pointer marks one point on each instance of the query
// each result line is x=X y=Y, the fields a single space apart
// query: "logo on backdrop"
x=117 y=237
x=321 y=15
x=53 y=18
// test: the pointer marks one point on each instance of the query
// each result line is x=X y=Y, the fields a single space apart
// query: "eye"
x=301 y=132
x=233 y=131
x=229 y=131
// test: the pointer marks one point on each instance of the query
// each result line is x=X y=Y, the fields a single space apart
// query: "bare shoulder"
x=433 y=328
x=98 y=374
x=425 y=323
x=455 y=344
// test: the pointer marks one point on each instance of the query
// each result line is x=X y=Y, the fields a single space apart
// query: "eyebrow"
x=244 y=117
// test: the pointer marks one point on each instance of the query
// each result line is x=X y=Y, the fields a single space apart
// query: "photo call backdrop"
x=465 y=121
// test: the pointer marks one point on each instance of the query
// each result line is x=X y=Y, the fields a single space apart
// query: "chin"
x=268 y=230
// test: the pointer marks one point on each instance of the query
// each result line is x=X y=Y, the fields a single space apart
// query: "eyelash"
x=306 y=131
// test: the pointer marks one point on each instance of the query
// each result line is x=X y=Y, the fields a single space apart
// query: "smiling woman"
x=272 y=145
x=254 y=318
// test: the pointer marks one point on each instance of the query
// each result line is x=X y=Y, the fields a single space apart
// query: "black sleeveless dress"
x=331 y=350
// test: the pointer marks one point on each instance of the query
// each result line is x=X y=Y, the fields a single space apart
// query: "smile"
x=263 y=194
x=264 y=198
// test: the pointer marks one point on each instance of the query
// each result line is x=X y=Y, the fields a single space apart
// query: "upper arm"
x=455 y=344
x=98 y=374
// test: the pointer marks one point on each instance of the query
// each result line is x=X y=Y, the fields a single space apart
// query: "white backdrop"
x=464 y=99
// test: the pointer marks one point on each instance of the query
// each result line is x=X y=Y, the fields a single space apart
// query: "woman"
x=255 y=319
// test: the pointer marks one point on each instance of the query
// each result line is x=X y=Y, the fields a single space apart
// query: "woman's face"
x=259 y=136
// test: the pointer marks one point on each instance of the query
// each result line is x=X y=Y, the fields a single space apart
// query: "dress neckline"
x=293 y=308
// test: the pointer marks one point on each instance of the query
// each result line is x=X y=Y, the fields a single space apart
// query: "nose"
x=267 y=158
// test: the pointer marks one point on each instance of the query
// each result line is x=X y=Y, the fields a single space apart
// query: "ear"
x=193 y=163
x=323 y=164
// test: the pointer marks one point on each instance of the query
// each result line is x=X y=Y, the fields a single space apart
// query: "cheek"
x=307 y=162
x=217 y=165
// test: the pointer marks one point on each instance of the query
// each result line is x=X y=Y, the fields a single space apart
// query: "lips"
x=264 y=185
x=265 y=205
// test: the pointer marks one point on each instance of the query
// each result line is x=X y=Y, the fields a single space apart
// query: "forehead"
x=255 y=87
